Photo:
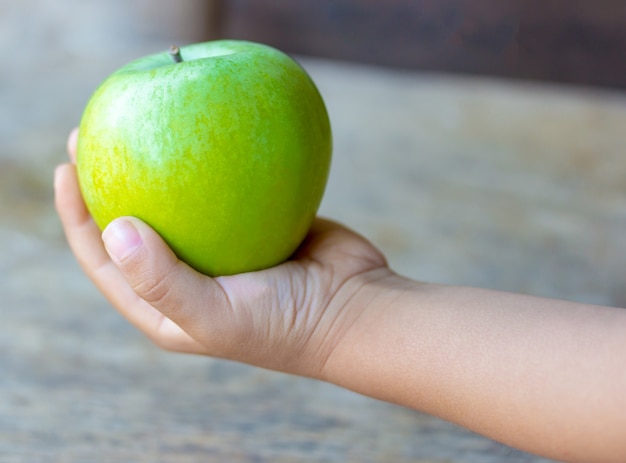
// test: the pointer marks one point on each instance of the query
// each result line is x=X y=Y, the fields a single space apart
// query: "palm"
x=302 y=301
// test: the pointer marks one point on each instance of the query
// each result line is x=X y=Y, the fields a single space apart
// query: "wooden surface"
x=576 y=41
x=480 y=182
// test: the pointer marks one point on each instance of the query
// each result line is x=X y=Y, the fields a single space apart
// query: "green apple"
x=222 y=147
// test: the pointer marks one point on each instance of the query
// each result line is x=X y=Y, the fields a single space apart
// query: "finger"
x=193 y=301
x=82 y=232
x=84 y=238
x=72 y=141
x=334 y=243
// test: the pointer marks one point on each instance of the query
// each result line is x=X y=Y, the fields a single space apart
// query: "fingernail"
x=121 y=238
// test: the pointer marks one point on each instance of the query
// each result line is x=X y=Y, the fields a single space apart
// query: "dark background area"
x=577 y=41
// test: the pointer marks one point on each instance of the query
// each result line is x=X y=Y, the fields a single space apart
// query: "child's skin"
x=545 y=376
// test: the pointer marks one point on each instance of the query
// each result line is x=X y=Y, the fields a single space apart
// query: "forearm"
x=542 y=375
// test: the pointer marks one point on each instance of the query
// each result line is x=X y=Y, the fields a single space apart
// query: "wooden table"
x=505 y=185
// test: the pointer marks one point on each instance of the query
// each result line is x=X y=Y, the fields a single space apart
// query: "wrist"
x=364 y=305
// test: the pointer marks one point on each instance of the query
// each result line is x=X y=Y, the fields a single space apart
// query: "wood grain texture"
x=458 y=180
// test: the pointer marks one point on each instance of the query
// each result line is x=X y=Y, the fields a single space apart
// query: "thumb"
x=193 y=301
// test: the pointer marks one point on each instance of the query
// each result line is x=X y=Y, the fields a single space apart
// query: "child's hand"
x=542 y=375
x=288 y=318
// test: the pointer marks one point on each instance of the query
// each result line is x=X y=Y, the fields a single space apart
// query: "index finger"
x=72 y=141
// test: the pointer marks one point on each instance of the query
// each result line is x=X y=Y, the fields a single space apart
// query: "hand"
x=542 y=375
x=289 y=318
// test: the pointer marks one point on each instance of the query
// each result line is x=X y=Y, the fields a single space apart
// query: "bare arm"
x=542 y=375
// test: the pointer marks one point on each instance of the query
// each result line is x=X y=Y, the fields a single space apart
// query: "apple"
x=223 y=147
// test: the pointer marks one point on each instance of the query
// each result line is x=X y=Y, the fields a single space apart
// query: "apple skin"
x=225 y=154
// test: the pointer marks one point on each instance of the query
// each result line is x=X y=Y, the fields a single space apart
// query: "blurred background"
x=476 y=142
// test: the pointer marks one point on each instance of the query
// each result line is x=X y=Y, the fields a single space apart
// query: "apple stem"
x=175 y=54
